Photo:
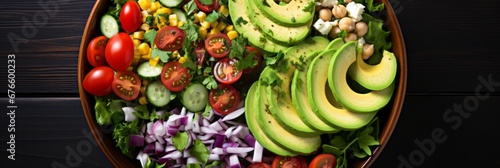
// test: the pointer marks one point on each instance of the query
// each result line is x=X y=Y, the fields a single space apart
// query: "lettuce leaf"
x=371 y=5
x=108 y=111
x=377 y=36
x=121 y=134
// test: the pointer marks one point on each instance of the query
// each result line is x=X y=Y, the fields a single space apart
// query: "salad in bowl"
x=242 y=83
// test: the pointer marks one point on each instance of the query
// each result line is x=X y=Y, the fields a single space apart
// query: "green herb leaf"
x=240 y=20
x=271 y=80
x=210 y=82
x=332 y=150
x=213 y=164
x=207 y=2
x=377 y=36
x=150 y=36
x=373 y=6
x=108 y=111
x=199 y=151
x=193 y=166
x=180 y=140
x=206 y=112
x=282 y=66
x=191 y=7
x=338 y=142
x=247 y=62
x=309 y=7
x=212 y=17
x=121 y=134
x=342 y=33
x=365 y=140
x=271 y=59
x=237 y=47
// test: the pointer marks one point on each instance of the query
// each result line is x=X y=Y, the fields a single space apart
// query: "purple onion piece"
x=136 y=140
x=235 y=114
x=250 y=140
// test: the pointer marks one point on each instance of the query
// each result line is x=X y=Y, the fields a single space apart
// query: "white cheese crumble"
x=324 y=27
x=355 y=10
x=327 y=3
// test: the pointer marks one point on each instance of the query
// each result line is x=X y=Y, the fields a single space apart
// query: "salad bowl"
x=388 y=115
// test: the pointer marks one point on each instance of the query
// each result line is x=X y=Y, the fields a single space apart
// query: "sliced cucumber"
x=181 y=15
x=148 y=72
x=109 y=25
x=171 y=3
x=195 y=97
x=157 y=94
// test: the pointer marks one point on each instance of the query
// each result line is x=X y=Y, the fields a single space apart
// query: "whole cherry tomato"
x=120 y=51
x=130 y=16
x=98 y=81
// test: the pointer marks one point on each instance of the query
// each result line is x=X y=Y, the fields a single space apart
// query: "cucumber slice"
x=109 y=25
x=171 y=3
x=195 y=97
x=181 y=15
x=158 y=94
x=148 y=72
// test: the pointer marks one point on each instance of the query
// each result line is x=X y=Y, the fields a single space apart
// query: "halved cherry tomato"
x=96 y=51
x=289 y=162
x=257 y=56
x=130 y=16
x=224 y=99
x=174 y=76
x=200 y=51
x=98 y=81
x=225 y=71
x=259 y=165
x=323 y=161
x=120 y=51
x=218 y=45
x=170 y=38
x=207 y=8
x=127 y=85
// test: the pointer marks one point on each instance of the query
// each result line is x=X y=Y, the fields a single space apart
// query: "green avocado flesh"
x=325 y=107
x=374 y=77
x=289 y=14
x=360 y=102
x=294 y=142
x=251 y=115
x=238 y=11
x=280 y=101
x=279 y=34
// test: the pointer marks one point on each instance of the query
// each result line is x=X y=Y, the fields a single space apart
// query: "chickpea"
x=350 y=37
x=339 y=11
x=334 y=32
x=346 y=24
x=367 y=51
x=347 y=1
x=325 y=14
x=361 y=28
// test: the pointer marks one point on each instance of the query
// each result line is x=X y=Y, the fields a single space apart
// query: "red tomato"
x=170 y=38
x=257 y=56
x=323 y=161
x=174 y=76
x=218 y=45
x=289 y=162
x=130 y=16
x=96 y=51
x=120 y=51
x=200 y=51
x=127 y=85
x=98 y=81
x=224 y=99
x=259 y=165
x=225 y=71
x=207 y=8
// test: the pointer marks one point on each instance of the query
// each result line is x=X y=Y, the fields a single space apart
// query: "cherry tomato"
x=207 y=8
x=289 y=162
x=323 y=161
x=174 y=76
x=96 y=51
x=218 y=45
x=170 y=38
x=224 y=99
x=259 y=165
x=200 y=51
x=257 y=56
x=225 y=71
x=98 y=81
x=127 y=85
x=120 y=51
x=130 y=16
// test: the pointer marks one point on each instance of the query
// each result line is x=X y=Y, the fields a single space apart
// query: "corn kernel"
x=214 y=31
x=158 y=4
x=167 y=11
x=173 y=22
x=130 y=68
x=180 y=24
x=143 y=48
x=144 y=4
x=145 y=27
x=172 y=17
x=232 y=34
x=205 y=25
x=147 y=56
x=201 y=16
x=138 y=35
x=214 y=24
x=152 y=8
x=154 y=61
x=136 y=42
x=223 y=10
x=196 y=20
x=175 y=54
x=143 y=100
x=203 y=32
x=221 y=26
x=229 y=28
x=182 y=60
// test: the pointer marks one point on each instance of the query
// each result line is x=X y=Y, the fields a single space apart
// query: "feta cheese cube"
x=355 y=10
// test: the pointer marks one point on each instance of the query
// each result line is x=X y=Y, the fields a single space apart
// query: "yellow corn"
x=205 y=25
x=143 y=48
x=138 y=35
x=173 y=20
x=160 y=25
x=180 y=23
x=145 y=27
x=196 y=20
x=144 y=4
x=158 y=4
x=167 y=11
x=143 y=100
x=229 y=28
x=173 y=23
x=201 y=16
x=213 y=31
x=175 y=54
x=136 y=42
x=182 y=60
x=130 y=68
x=152 y=8
x=214 y=24
x=221 y=26
x=223 y=10
x=232 y=35
x=154 y=61
x=203 y=32
x=147 y=56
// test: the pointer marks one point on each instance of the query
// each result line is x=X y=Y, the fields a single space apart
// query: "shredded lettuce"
x=371 y=5
x=121 y=134
x=108 y=111
x=377 y=36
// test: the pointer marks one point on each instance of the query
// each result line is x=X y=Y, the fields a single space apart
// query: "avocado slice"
x=374 y=77
x=238 y=11
x=294 y=142
x=360 y=102
x=292 y=13
x=283 y=35
x=251 y=115
x=280 y=101
x=323 y=103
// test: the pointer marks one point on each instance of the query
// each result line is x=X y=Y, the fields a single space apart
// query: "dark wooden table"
x=449 y=118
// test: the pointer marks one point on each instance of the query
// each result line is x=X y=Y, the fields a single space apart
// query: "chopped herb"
x=282 y=66
x=271 y=59
x=207 y=2
x=237 y=47
x=150 y=36
x=342 y=33
x=199 y=151
x=309 y=7
x=164 y=55
x=262 y=39
x=272 y=80
x=246 y=62
x=212 y=17
x=210 y=82
x=191 y=7
x=293 y=19
x=180 y=140
x=240 y=20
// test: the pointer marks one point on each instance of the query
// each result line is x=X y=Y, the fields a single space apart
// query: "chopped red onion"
x=159 y=148
x=219 y=140
x=250 y=140
x=257 y=152
x=205 y=137
x=136 y=140
x=235 y=114
x=213 y=157
x=175 y=111
x=158 y=129
x=238 y=149
x=234 y=161
x=143 y=158
x=192 y=160
x=129 y=116
x=148 y=127
x=173 y=155
x=207 y=130
x=230 y=144
x=149 y=149
x=149 y=138
x=216 y=126
x=189 y=124
x=218 y=151
x=169 y=148
x=183 y=111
